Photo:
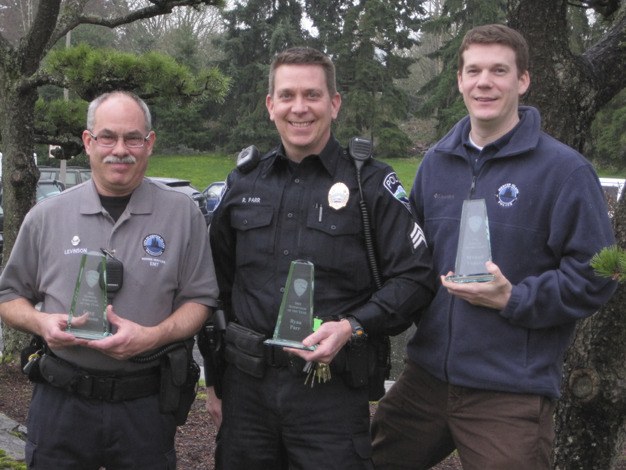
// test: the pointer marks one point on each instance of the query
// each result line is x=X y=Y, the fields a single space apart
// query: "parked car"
x=213 y=194
x=73 y=174
x=613 y=189
x=48 y=188
x=185 y=186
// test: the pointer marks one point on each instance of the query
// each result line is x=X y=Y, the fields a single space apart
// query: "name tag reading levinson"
x=295 y=317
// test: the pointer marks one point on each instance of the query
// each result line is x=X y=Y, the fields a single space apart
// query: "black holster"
x=382 y=367
x=368 y=364
x=179 y=381
x=211 y=346
x=30 y=357
x=245 y=349
x=359 y=362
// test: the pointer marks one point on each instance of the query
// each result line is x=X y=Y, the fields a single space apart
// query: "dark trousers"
x=278 y=422
x=421 y=420
x=68 y=432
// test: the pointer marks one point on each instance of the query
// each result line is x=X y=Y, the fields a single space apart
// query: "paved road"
x=9 y=442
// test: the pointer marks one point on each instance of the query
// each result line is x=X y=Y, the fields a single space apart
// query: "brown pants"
x=421 y=420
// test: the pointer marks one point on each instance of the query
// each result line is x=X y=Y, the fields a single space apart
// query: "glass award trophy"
x=295 y=317
x=474 y=247
x=87 y=316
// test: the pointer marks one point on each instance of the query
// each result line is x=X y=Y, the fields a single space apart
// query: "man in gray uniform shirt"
x=107 y=414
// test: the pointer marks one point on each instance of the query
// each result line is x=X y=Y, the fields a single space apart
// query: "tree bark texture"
x=569 y=90
x=19 y=175
x=591 y=414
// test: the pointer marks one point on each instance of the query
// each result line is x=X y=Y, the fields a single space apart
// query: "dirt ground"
x=195 y=441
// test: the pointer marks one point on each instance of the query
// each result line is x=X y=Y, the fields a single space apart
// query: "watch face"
x=357 y=330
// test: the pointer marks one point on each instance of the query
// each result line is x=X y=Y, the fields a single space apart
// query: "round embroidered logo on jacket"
x=154 y=245
x=507 y=194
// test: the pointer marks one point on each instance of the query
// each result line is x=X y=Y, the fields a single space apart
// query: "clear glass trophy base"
x=461 y=279
x=88 y=334
x=285 y=343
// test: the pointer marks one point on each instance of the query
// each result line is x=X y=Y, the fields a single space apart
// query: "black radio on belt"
x=114 y=274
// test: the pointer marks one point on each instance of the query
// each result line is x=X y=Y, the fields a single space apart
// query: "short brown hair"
x=304 y=56
x=497 y=34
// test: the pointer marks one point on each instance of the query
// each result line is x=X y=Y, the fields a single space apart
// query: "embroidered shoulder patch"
x=394 y=186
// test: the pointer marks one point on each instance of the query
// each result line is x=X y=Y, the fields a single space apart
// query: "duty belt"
x=277 y=357
x=246 y=350
x=114 y=389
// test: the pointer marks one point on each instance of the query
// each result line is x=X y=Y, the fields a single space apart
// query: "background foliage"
x=396 y=65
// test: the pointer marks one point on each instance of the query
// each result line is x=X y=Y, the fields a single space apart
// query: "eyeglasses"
x=110 y=140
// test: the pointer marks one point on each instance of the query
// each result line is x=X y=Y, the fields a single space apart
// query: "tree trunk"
x=562 y=85
x=569 y=90
x=590 y=416
x=19 y=176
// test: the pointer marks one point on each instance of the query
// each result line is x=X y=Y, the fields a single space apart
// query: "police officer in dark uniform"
x=301 y=201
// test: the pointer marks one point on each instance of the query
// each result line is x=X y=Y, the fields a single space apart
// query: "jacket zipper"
x=452 y=299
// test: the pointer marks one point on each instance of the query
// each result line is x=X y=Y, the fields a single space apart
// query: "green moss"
x=7 y=463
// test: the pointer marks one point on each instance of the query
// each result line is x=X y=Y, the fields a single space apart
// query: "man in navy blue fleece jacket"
x=485 y=364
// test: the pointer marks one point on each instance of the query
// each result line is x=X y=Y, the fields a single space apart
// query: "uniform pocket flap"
x=251 y=217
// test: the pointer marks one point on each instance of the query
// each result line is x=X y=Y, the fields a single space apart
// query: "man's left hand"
x=330 y=337
x=494 y=294
x=129 y=340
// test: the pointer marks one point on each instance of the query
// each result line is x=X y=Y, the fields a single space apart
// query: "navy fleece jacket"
x=547 y=218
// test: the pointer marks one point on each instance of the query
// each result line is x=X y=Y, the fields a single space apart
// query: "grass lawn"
x=201 y=169
x=204 y=169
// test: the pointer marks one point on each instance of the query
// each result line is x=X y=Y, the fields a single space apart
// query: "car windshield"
x=71 y=178
x=47 y=190
x=73 y=175
x=215 y=190
x=213 y=193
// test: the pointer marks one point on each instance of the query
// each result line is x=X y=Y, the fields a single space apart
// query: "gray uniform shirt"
x=161 y=238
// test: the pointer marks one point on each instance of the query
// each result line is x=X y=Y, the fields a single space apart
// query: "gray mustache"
x=126 y=159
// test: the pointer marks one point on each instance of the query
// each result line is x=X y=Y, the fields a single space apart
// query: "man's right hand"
x=214 y=406
x=52 y=328
x=23 y=316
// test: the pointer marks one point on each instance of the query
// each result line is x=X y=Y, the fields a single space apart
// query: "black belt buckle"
x=102 y=388
x=95 y=387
